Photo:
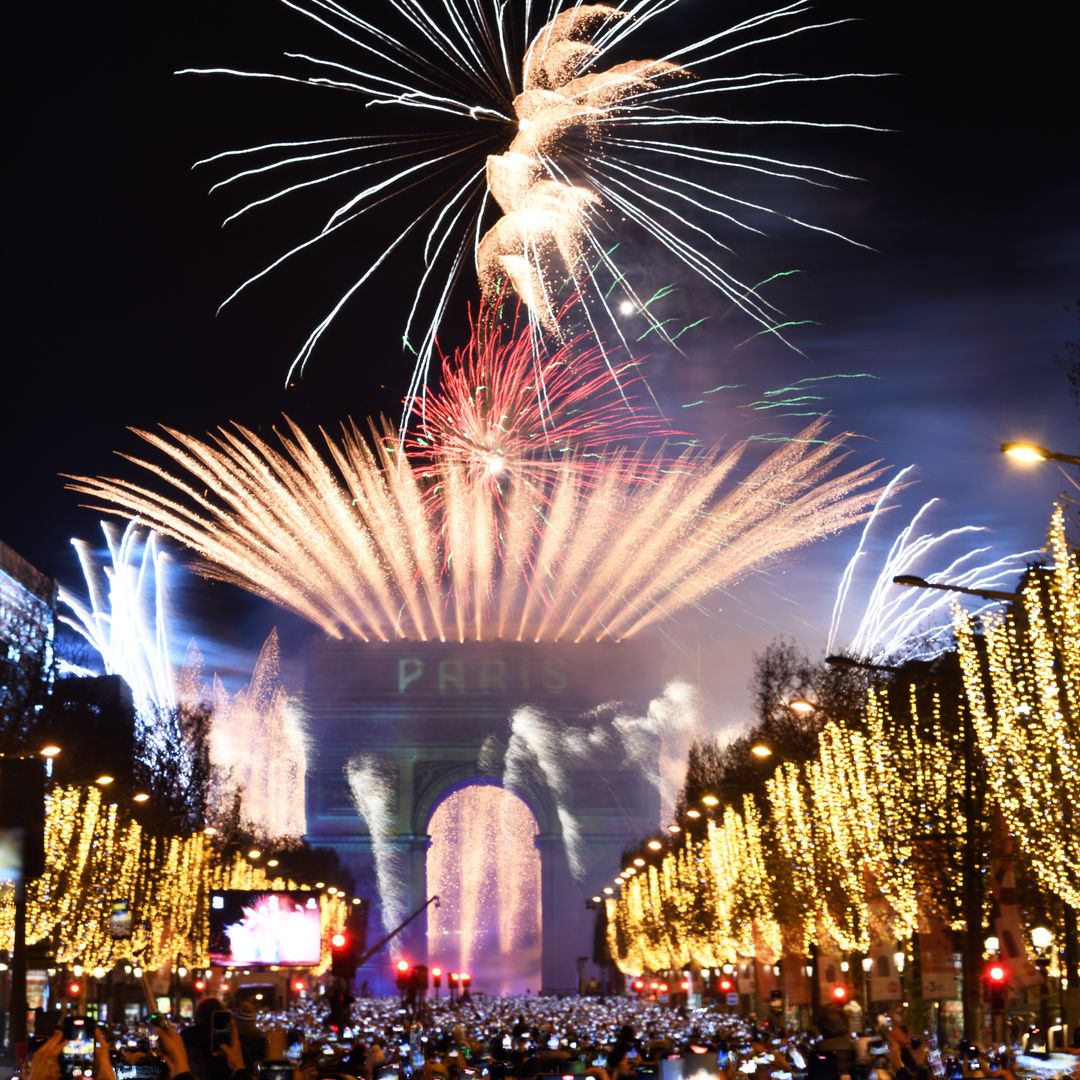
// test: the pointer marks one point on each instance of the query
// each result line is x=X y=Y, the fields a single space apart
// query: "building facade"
x=428 y=719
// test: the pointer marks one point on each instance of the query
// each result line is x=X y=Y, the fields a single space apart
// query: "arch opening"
x=484 y=865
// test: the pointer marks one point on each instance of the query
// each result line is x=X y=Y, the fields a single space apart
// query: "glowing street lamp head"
x=710 y=800
x=1042 y=938
x=50 y=750
x=104 y=780
x=140 y=797
x=801 y=706
x=693 y=813
x=761 y=750
x=639 y=862
x=654 y=845
x=1024 y=452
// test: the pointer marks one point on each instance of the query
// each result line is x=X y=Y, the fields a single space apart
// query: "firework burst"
x=897 y=624
x=346 y=538
x=541 y=141
x=511 y=414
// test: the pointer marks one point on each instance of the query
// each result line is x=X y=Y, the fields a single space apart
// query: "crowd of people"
x=527 y=1038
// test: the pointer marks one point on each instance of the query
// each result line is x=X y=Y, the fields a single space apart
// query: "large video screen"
x=264 y=928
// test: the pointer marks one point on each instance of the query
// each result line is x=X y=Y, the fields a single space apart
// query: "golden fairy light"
x=1022 y=678
x=92 y=853
x=368 y=545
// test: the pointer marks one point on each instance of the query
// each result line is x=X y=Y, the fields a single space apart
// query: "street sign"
x=733 y=999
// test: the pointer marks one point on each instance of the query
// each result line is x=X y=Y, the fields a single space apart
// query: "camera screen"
x=144 y=1070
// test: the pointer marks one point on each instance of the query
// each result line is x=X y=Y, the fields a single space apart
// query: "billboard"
x=249 y=928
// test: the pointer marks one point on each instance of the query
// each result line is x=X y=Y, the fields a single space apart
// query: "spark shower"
x=537 y=150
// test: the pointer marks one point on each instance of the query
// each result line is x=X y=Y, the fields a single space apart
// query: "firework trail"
x=544 y=751
x=507 y=414
x=125 y=617
x=258 y=746
x=659 y=742
x=895 y=623
x=373 y=783
x=347 y=539
x=257 y=741
x=529 y=121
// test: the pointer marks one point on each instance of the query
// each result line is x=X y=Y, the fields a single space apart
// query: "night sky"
x=117 y=263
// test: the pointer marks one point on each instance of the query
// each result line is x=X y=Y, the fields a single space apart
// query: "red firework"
x=511 y=407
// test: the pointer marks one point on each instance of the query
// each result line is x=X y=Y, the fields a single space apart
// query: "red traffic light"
x=839 y=993
x=639 y=985
x=403 y=966
x=338 y=940
x=726 y=985
x=996 y=973
x=74 y=989
x=298 y=985
x=454 y=976
x=436 y=972
x=200 y=985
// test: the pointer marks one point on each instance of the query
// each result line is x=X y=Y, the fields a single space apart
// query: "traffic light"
x=74 y=989
x=996 y=986
x=840 y=994
x=200 y=985
x=343 y=954
x=402 y=973
x=418 y=979
x=726 y=985
x=638 y=985
x=436 y=977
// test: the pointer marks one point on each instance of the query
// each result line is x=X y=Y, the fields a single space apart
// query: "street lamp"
x=916 y=582
x=1029 y=453
x=1043 y=939
x=762 y=751
x=801 y=707
x=841 y=661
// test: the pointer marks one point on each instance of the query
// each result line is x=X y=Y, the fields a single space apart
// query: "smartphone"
x=148 y=993
x=220 y=1029
x=77 y=1049
x=274 y=1070
x=152 y=1069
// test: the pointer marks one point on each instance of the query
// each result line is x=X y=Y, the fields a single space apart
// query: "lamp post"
x=1028 y=453
x=915 y=582
x=1043 y=939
